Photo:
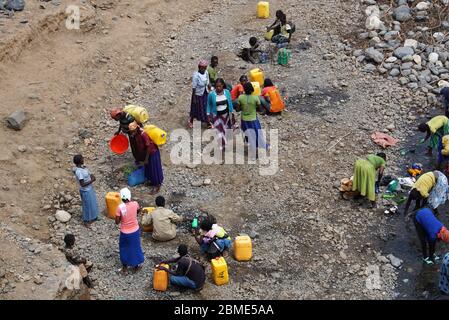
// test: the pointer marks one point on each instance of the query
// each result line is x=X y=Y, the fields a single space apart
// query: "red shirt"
x=141 y=143
x=236 y=91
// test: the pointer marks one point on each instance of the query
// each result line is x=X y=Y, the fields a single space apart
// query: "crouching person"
x=189 y=272
x=214 y=240
x=74 y=258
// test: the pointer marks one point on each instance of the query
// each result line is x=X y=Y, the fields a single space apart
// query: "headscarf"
x=445 y=93
x=115 y=112
x=125 y=194
x=444 y=234
x=203 y=63
x=133 y=126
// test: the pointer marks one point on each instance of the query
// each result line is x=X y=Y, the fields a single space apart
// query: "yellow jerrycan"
x=257 y=75
x=243 y=248
x=112 y=202
x=263 y=9
x=148 y=210
x=219 y=271
x=257 y=89
x=160 y=279
x=156 y=134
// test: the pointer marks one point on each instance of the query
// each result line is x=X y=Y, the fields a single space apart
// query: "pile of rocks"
x=405 y=46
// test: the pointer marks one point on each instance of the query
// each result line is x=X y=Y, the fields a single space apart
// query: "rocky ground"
x=308 y=242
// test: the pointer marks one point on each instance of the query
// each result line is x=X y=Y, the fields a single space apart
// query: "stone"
x=391 y=59
x=253 y=235
x=357 y=53
x=417 y=59
x=395 y=262
x=198 y=183
x=402 y=13
x=407 y=65
x=369 y=68
x=374 y=55
x=403 y=81
x=22 y=148
x=16 y=5
x=390 y=35
x=388 y=66
x=411 y=43
x=62 y=216
x=403 y=51
x=408 y=58
x=372 y=11
x=207 y=182
x=433 y=57
x=394 y=72
x=439 y=36
x=17 y=120
x=374 y=23
x=423 y=5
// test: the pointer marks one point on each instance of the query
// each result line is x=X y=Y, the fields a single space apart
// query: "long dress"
x=88 y=195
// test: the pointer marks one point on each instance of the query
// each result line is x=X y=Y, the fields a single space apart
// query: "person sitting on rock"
x=74 y=258
x=435 y=129
x=287 y=30
x=124 y=118
x=189 y=273
x=429 y=230
x=212 y=238
x=163 y=221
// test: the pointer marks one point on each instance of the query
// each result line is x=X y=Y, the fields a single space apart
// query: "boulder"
x=16 y=120
x=402 y=13
x=16 y=5
x=374 y=55
x=403 y=51
x=395 y=262
x=62 y=216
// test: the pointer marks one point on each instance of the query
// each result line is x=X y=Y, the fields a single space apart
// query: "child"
x=87 y=192
x=251 y=54
x=74 y=258
x=212 y=71
x=237 y=90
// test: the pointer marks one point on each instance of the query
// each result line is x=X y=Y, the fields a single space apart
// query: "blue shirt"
x=444 y=275
x=83 y=174
x=430 y=224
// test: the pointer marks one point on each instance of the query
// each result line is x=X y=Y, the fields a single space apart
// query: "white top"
x=222 y=102
x=200 y=82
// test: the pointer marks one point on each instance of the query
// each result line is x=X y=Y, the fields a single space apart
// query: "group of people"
x=214 y=103
x=429 y=191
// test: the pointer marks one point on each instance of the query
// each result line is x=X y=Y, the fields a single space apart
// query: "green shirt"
x=376 y=161
x=212 y=74
x=249 y=106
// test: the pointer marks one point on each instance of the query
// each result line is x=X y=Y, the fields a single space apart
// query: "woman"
x=189 y=272
x=87 y=192
x=124 y=118
x=214 y=240
x=286 y=31
x=200 y=87
x=422 y=189
x=429 y=230
x=364 y=180
x=220 y=111
x=271 y=98
x=248 y=105
x=275 y=28
x=147 y=154
x=435 y=129
x=131 y=254
x=238 y=90
x=444 y=96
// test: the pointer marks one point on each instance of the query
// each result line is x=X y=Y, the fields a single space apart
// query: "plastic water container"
x=113 y=200
x=160 y=279
x=257 y=90
x=156 y=134
x=263 y=9
x=243 y=248
x=150 y=227
x=219 y=271
x=257 y=75
x=137 y=177
x=119 y=144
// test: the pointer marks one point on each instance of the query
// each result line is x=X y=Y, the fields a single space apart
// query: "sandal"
x=428 y=261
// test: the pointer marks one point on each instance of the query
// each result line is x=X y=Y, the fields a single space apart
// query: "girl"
x=131 y=254
x=271 y=98
x=87 y=192
x=248 y=105
x=220 y=111
x=200 y=88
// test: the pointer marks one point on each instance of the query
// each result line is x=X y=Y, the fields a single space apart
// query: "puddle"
x=415 y=281
x=318 y=101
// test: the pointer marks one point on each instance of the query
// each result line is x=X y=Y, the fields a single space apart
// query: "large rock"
x=62 y=216
x=374 y=55
x=403 y=51
x=16 y=5
x=16 y=120
x=402 y=13
x=395 y=262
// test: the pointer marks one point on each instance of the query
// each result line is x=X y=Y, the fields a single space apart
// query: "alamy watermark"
x=188 y=148
x=373 y=281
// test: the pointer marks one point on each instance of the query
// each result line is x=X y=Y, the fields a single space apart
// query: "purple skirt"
x=153 y=171
x=198 y=107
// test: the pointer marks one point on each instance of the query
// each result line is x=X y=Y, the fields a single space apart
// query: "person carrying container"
x=189 y=272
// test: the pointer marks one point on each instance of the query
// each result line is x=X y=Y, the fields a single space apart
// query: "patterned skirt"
x=198 y=107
